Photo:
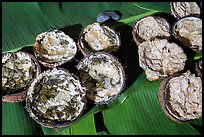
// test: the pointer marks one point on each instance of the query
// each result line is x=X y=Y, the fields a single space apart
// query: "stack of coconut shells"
x=180 y=93
x=55 y=97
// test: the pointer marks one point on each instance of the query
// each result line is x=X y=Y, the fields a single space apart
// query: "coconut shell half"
x=18 y=94
x=180 y=97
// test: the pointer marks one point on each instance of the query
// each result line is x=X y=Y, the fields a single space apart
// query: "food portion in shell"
x=96 y=37
x=103 y=76
x=18 y=71
x=55 y=98
x=150 y=28
x=188 y=30
x=54 y=48
x=181 y=97
x=160 y=58
x=183 y=9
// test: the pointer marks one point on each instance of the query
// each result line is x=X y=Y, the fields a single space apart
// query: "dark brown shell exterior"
x=198 y=69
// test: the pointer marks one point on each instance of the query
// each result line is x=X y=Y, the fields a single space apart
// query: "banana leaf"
x=141 y=114
x=135 y=111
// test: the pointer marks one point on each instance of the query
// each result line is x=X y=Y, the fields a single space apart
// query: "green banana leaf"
x=141 y=114
x=135 y=111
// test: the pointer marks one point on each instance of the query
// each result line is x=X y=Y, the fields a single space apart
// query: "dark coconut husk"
x=198 y=69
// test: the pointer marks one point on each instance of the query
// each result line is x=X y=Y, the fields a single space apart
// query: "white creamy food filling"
x=17 y=70
x=55 y=46
x=97 y=37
